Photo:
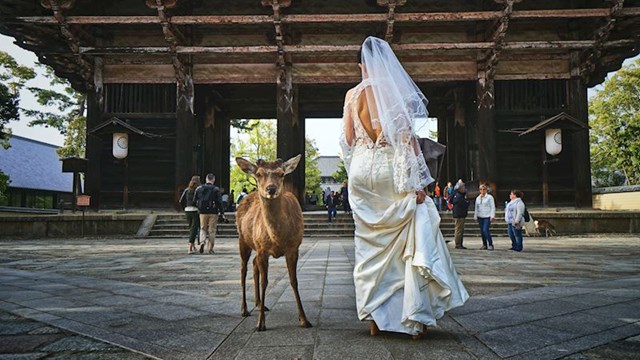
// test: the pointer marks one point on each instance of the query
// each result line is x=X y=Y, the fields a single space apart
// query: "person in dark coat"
x=460 y=211
x=331 y=204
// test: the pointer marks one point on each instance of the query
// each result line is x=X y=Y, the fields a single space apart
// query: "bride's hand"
x=421 y=195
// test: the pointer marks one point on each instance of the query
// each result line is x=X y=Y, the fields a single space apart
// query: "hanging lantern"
x=553 y=141
x=120 y=145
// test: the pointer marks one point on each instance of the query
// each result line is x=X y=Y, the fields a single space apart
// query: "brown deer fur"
x=270 y=222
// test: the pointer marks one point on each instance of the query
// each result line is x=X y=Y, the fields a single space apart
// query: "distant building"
x=328 y=165
x=35 y=174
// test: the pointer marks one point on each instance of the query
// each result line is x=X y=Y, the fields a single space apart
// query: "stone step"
x=315 y=225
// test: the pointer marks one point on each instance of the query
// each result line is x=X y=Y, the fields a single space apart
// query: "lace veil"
x=395 y=101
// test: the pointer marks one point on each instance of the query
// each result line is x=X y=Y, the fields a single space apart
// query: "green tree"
x=614 y=117
x=64 y=111
x=311 y=170
x=341 y=174
x=12 y=79
x=261 y=144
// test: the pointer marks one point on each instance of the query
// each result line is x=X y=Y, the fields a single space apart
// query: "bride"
x=404 y=276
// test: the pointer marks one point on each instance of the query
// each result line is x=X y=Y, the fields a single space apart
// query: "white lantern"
x=553 y=141
x=120 y=145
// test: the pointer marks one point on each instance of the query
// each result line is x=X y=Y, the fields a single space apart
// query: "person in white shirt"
x=484 y=214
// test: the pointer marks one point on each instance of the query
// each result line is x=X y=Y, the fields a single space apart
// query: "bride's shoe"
x=420 y=335
x=373 y=328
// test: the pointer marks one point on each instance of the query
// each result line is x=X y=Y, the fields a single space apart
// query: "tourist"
x=448 y=194
x=437 y=199
x=188 y=202
x=208 y=201
x=344 y=196
x=514 y=216
x=331 y=205
x=460 y=212
x=403 y=275
x=485 y=213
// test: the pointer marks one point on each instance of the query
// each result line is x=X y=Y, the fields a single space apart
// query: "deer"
x=269 y=222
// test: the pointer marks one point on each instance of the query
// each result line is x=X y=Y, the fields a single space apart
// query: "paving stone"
x=349 y=345
x=514 y=340
x=580 y=323
x=556 y=287
x=166 y=312
x=280 y=352
x=25 y=343
x=77 y=343
x=29 y=356
x=14 y=328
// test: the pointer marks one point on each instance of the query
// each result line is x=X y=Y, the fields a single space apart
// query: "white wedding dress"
x=404 y=276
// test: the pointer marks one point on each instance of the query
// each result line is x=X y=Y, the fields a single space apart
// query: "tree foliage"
x=614 y=117
x=12 y=79
x=260 y=143
x=64 y=110
x=341 y=174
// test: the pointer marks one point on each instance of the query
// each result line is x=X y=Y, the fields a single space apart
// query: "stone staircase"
x=315 y=225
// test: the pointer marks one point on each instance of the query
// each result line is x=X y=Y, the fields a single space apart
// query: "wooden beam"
x=391 y=11
x=592 y=55
x=71 y=39
x=520 y=45
x=464 y=16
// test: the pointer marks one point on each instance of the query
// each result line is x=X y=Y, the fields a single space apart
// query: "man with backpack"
x=208 y=201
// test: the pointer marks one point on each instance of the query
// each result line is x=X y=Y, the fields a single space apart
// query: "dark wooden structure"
x=183 y=68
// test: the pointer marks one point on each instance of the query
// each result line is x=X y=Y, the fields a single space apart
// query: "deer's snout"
x=271 y=189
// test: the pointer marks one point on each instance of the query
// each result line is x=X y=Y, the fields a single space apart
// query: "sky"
x=325 y=132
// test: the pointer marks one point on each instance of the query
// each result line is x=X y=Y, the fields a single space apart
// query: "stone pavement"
x=564 y=297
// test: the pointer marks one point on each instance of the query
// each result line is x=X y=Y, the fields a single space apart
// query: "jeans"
x=485 y=224
x=333 y=212
x=515 y=235
x=194 y=225
x=438 y=202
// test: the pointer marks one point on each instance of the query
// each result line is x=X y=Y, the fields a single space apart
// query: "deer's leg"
x=263 y=264
x=245 y=254
x=256 y=282
x=292 y=264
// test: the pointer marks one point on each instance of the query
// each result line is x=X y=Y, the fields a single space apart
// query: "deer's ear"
x=246 y=166
x=291 y=164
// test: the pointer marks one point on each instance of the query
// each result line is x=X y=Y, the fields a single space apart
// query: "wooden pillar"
x=581 y=158
x=184 y=135
x=93 y=151
x=291 y=139
x=486 y=132
x=222 y=151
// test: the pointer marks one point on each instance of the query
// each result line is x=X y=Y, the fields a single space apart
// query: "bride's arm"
x=349 y=132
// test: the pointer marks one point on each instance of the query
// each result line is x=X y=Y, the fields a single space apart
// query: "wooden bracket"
x=591 y=57
x=72 y=40
x=487 y=63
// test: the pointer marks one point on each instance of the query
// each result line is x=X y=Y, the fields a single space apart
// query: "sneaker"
x=201 y=250
x=191 y=252
x=490 y=247
x=211 y=252
x=483 y=247
x=461 y=247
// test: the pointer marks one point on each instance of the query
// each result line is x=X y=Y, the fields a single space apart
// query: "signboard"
x=83 y=200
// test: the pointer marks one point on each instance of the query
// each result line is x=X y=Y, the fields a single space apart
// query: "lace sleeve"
x=410 y=171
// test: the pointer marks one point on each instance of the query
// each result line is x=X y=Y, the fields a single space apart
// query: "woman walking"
x=484 y=213
x=187 y=200
x=404 y=277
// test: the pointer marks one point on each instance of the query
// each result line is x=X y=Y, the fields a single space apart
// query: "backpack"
x=208 y=201
x=526 y=215
x=183 y=198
